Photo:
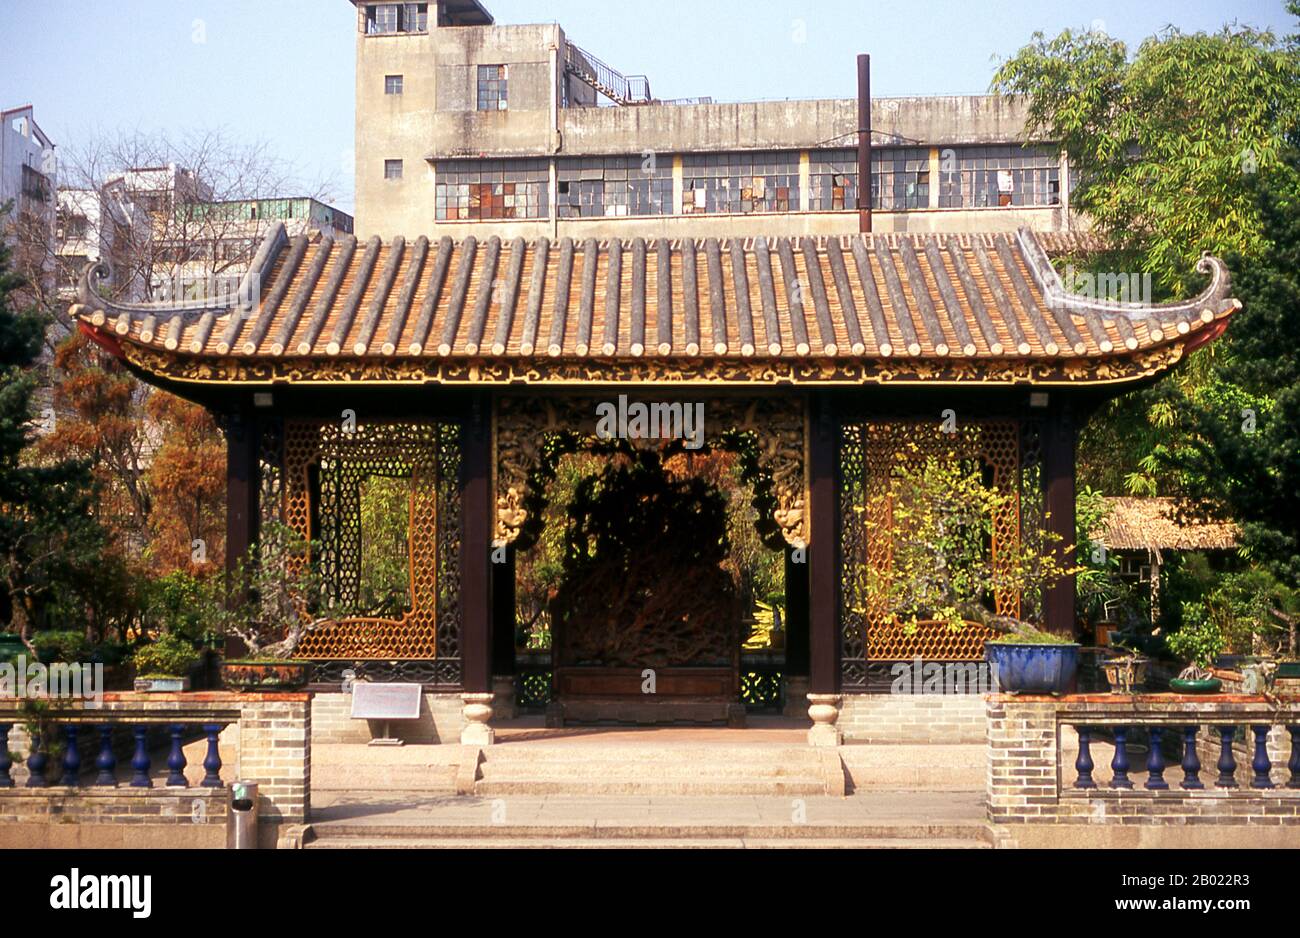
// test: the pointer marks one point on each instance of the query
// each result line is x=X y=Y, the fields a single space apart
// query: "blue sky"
x=281 y=71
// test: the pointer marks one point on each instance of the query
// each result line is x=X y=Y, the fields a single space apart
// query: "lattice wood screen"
x=871 y=452
x=324 y=467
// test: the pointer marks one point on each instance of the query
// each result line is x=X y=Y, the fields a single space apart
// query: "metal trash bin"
x=241 y=821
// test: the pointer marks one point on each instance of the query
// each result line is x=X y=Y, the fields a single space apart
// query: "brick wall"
x=268 y=737
x=912 y=718
x=440 y=721
x=1031 y=774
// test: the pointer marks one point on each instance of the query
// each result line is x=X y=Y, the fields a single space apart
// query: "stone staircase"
x=667 y=770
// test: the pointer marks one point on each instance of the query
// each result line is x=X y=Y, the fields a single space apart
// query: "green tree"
x=48 y=535
x=1164 y=143
x=1243 y=440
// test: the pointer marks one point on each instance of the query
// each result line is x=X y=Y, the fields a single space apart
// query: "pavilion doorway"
x=652 y=584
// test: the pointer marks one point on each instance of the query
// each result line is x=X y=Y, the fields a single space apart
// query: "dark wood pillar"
x=823 y=551
x=796 y=613
x=1059 y=436
x=503 y=614
x=243 y=501
x=243 y=487
x=476 y=549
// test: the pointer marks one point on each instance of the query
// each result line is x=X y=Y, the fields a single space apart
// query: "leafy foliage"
x=942 y=568
x=169 y=656
x=49 y=538
x=1164 y=142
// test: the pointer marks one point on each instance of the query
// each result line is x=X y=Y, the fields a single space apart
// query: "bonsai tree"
x=169 y=657
x=268 y=602
x=1198 y=641
x=941 y=520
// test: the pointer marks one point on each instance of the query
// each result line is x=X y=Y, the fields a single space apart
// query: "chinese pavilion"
x=466 y=369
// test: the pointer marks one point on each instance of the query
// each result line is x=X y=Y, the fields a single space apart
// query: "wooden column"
x=476 y=547
x=1059 y=435
x=242 y=486
x=823 y=552
x=503 y=615
x=796 y=614
x=243 y=502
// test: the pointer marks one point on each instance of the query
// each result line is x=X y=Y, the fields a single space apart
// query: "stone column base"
x=478 y=715
x=824 y=710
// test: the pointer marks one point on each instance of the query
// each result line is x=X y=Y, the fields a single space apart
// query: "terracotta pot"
x=265 y=675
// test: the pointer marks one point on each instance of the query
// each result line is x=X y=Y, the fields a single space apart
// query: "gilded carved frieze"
x=772 y=427
x=683 y=372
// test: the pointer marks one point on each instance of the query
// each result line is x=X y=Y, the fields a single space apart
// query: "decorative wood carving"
x=772 y=428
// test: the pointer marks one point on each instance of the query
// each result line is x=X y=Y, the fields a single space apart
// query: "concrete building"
x=28 y=180
x=468 y=127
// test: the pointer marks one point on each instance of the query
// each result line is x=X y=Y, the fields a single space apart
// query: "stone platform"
x=880 y=820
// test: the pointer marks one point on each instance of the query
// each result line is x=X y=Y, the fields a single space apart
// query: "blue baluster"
x=1227 y=761
x=176 y=758
x=1262 y=764
x=1120 y=764
x=1084 y=764
x=37 y=761
x=1191 y=760
x=1294 y=764
x=72 y=757
x=140 y=761
x=6 y=763
x=212 y=761
x=1156 y=762
x=106 y=761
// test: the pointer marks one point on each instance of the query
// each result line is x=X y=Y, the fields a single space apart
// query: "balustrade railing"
x=90 y=754
x=1188 y=740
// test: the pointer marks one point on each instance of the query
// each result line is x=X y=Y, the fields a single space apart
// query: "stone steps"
x=928 y=767
x=719 y=843
x=644 y=770
x=336 y=836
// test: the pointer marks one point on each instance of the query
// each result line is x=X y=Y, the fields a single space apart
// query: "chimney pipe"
x=864 y=144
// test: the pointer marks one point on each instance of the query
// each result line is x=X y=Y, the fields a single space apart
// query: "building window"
x=614 y=187
x=900 y=178
x=474 y=190
x=834 y=181
x=988 y=177
x=392 y=169
x=386 y=18
x=493 y=87
x=392 y=84
x=740 y=183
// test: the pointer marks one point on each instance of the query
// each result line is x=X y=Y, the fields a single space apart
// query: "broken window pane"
x=474 y=190
x=493 y=87
x=993 y=176
x=741 y=183
x=615 y=187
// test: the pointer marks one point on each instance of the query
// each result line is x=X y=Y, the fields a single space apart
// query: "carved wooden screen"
x=871 y=452
x=324 y=465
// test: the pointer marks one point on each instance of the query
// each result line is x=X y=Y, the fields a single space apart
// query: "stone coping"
x=200 y=698
x=1072 y=700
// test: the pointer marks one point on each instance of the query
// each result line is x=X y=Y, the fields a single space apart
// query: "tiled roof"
x=878 y=298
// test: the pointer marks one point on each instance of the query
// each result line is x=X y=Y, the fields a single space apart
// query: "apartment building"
x=466 y=126
x=27 y=180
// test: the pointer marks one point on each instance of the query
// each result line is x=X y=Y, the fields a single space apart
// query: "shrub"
x=65 y=647
x=170 y=656
x=1199 y=641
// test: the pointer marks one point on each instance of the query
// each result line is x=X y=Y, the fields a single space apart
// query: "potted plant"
x=942 y=518
x=1126 y=670
x=164 y=666
x=276 y=588
x=1199 y=642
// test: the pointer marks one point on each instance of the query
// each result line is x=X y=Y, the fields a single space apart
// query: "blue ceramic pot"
x=1034 y=669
